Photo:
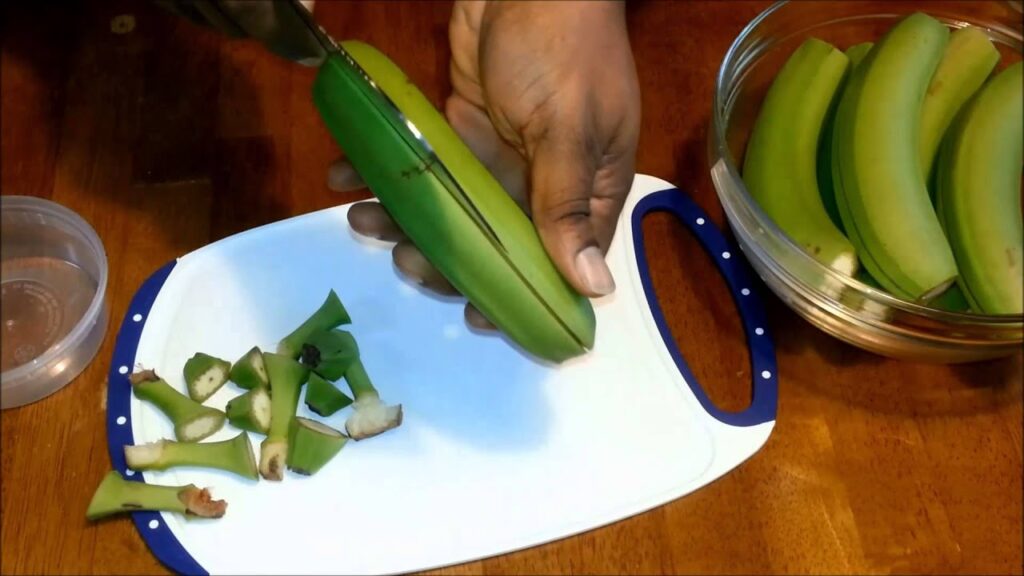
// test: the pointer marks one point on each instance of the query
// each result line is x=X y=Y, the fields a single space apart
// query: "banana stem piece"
x=312 y=445
x=204 y=375
x=250 y=411
x=286 y=379
x=371 y=416
x=234 y=455
x=192 y=421
x=330 y=314
x=248 y=371
x=330 y=352
x=115 y=495
x=323 y=397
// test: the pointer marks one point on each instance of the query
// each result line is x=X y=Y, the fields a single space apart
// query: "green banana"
x=880 y=190
x=856 y=54
x=780 y=168
x=978 y=176
x=448 y=203
x=968 y=60
x=952 y=300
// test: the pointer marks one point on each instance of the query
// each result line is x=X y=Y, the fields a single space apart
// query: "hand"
x=273 y=23
x=547 y=97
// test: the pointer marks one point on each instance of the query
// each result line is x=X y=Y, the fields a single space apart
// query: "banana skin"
x=780 y=166
x=978 y=175
x=449 y=204
x=969 y=59
x=881 y=193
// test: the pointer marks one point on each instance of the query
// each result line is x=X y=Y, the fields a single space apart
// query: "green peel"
x=857 y=52
x=286 y=379
x=250 y=411
x=323 y=397
x=780 y=167
x=115 y=495
x=312 y=445
x=329 y=353
x=204 y=375
x=330 y=314
x=968 y=60
x=234 y=455
x=880 y=191
x=460 y=218
x=192 y=421
x=371 y=416
x=979 y=181
x=248 y=371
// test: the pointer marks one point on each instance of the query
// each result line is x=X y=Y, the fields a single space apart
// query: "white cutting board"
x=497 y=452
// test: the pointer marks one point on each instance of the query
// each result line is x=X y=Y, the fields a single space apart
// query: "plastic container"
x=54 y=309
x=839 y=305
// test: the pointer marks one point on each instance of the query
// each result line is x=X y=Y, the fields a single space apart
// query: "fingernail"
x=594 y=271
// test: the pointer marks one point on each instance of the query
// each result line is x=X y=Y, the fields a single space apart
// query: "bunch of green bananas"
x=899 y=162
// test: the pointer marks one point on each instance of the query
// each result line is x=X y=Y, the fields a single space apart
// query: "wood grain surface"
x=170 y=136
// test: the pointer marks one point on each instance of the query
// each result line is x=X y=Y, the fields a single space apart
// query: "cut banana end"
x=273 y=459
x=312 y=445
x=937 y=291
x=201 y=427
x=204 y=375
x=372 y=417
x=250 y=411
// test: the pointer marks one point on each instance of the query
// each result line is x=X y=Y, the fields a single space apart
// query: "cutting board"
x=497 y=452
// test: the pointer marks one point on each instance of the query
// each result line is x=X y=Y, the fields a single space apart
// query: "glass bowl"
x=839 y=305
x=54 y=305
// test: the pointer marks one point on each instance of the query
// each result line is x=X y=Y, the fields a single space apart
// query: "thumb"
x=562 y=179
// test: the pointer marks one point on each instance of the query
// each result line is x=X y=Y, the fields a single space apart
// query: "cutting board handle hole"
x=701 y=278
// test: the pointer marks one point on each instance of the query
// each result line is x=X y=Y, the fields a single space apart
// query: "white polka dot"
x=700 y=221
x=745 y=291
x=122 y=370
x=766 y=374
x=137 y=318
x=759 y=331
x=154 y=524
x=451 y=331
x=121 y=420
x=129 y=472
x=726 y=255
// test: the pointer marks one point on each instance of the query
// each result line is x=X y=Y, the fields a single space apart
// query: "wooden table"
x=170 y=137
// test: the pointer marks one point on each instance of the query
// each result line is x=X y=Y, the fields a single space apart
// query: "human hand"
x=546 y=95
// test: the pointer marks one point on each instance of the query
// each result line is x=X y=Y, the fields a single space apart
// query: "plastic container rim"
x=20 y=375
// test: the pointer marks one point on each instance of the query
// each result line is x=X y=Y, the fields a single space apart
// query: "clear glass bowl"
x=837 y=304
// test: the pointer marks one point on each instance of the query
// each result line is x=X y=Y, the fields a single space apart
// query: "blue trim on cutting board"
x=160 y=539
x=738 y=276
